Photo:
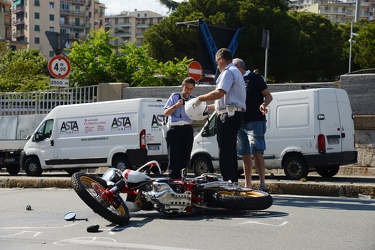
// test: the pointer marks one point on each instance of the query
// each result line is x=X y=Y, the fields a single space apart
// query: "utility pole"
x=352 y=34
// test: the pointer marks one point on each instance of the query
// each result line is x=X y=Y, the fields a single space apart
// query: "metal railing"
x=41 y=102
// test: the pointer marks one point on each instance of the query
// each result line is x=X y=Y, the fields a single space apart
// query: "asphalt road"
x=292 y=222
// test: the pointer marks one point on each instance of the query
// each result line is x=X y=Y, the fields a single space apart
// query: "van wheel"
x=201 y=165
x=32 y=167
x=328 y=172
x=295 y=167
x=121 y=162
x=13 y=169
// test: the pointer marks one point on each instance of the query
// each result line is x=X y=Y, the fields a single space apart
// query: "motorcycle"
x=165 y=195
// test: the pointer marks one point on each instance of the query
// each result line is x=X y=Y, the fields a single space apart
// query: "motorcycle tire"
x=240 y=200
x=82 y=185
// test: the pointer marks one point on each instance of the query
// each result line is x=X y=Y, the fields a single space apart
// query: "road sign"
x=195 y=70
x=59 y=66
x=57 y=41
x=59 y=82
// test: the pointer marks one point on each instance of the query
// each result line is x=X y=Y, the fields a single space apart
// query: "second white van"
x=307 y=130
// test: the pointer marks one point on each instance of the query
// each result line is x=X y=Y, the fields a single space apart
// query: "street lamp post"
x=351 y=41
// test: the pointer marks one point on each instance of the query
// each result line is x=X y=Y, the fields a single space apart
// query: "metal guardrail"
x=41 y=102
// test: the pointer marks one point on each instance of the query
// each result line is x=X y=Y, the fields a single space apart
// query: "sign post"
x=195 y=70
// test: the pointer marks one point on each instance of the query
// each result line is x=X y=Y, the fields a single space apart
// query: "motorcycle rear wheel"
x=83 y=185
x=241 y=200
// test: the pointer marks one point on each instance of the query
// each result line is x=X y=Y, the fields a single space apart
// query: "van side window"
x=44 y=131
x=210 y=128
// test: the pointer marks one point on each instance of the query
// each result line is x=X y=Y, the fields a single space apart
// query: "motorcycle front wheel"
x=88 y=188
x=241 y=200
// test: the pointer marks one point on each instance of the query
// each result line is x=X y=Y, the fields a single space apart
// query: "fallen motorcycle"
x=186 y=195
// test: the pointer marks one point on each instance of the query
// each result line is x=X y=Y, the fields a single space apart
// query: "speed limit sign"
x=59 y=66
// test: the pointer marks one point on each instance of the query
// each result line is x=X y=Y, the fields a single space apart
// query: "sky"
x=117 y=6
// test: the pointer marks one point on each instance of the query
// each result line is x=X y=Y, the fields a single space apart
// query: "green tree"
x=167 y=41
x=95 y=61
x=23 y=70
x=364 y=46
x=319 y=53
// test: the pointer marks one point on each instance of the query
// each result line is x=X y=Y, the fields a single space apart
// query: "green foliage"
x=95 y=61
x=364 y=46
x=303 y=46
x=23 y=70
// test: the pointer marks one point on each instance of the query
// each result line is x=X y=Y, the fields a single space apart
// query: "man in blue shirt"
x=180 y=136
x=229 y=97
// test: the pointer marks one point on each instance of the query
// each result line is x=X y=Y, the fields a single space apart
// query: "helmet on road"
x=196 y=112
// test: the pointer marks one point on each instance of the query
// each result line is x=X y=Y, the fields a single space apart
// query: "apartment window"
x=78 y=10
x=52 y=17
x=37 y=16
x=52 y=29
x=37 y=40
x=51 y=5
x=145 y=14
x=37 y=3
x=37 y=28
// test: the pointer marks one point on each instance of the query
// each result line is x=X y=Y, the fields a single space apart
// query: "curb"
x=274 y=187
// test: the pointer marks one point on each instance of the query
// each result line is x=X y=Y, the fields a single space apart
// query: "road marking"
x=105 y=242
x=264 y=224
x=33 y=234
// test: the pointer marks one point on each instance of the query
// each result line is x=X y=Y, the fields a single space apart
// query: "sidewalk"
x=350 y=182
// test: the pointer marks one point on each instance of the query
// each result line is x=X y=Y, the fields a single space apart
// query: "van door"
x=329 y=122
x=44 y=142
x=153 y=114
x=346 y=121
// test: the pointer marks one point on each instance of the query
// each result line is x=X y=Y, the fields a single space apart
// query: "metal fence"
x=41 y=102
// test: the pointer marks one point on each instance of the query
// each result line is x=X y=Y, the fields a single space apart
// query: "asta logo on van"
x=69 y=127
x=121 y=123
x=157 y=120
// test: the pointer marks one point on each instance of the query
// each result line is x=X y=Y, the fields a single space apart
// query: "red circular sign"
x=59 y=66
x=195 y=70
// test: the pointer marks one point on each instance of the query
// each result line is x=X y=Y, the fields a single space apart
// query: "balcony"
x=77 y=37
x=18 y=9
x=123 y=34
x=124 y=24
x=67 y=24
x=143 y=25
x=72 y=12
x=79 y=2
x=19 y=33
x=18 y=22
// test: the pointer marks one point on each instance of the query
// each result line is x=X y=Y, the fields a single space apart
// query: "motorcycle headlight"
x=112 y=174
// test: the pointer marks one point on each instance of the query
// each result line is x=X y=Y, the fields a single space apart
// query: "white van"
x=122 y=134
x=307 y=130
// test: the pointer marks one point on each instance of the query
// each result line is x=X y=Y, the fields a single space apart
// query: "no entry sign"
x=195 y=70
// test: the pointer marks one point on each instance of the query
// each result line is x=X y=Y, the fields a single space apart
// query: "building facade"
x=334 y=10
x=5 y=20
x=32 y=18
x=130 y=26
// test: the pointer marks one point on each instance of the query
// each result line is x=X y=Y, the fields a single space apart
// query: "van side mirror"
x=206 y=132
x=37 y=137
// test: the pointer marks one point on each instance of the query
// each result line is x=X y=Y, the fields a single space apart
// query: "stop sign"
x=195 y=70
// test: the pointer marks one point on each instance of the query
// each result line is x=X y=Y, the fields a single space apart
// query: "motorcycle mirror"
x=70 y=216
